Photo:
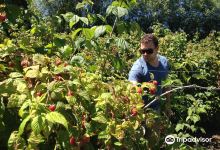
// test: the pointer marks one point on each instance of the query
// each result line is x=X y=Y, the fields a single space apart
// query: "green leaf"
x=77 y=60
x=118 y=143
x=66 y=50
x=195 y=118
x=108 y=28
x=15 y=75
x=56 y=117
x=117 y=11
x=193 y=128
x=32 y=73
x=75 y=32
x=68 y=16
x=37 y=124
x=179 y=127
x=202 y=130
x=84 y=20
x=122 y=43
x=88 y=33
x=99 y=31
x=190 y=111
x=23 y=124
x=121 y=12
x=80 y=5
x=110 y=9
x=199 y=76
x=100 y=118
x=23 y=107
x=201 y=110
x=15 y=139
x=101 y=17
x=75 y=19
x=190 y=97
x=35 y=139
x=21 y=86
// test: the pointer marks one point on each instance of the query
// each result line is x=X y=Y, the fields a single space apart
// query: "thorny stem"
x=178 y=88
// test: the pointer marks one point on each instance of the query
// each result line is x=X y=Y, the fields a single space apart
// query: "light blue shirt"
x=140 y=72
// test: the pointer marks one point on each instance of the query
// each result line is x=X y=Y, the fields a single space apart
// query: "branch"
x=178 y=88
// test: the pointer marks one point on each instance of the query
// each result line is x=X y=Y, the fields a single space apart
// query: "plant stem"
x=178 y=88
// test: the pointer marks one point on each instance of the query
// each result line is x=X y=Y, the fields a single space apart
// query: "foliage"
x=63 y=81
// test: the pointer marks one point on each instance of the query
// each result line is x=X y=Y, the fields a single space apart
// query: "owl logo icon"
x=170 y=139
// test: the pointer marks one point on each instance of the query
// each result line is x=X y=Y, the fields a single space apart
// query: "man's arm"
x=134 y=73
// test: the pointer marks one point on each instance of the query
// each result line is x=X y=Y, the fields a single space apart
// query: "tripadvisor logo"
x=170 y=139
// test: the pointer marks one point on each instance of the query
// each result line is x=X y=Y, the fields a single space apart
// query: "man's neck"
x=154 y=62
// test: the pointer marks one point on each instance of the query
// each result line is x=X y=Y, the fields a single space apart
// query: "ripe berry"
x=72 y=140
x=25 y=63
x=155 y=82
x=39 y=93
x=152 y=90
x=134 y=111
x=83 y=124
x=139 y=90
x=2 y=18
x=58 y=78
x=11 y=64
x=52 y=107
x=58 y=62
x=65 y=64
x=70 y=93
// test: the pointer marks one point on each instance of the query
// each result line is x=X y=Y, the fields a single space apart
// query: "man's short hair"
x=148 y=38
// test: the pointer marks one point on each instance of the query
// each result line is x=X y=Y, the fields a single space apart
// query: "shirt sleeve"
x=135 y=72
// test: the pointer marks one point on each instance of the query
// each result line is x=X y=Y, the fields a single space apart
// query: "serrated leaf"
x=75 y=19
x=88 y=33
x=75 y=32
x=195 y=118
x=21 y=86
x=121 y=12
x=67 y=16
x=179 y=127
x=66 y=50
x=110 y=9
x=190 y=111
x=37 y=124
x=23 y=107
x=101 y=17
x=32 y=73
x=201 y=110
x=80 y=5
x=108 y=28
x=190 y=97
x=15 y=75
x=15 y=139
x=56 y=117
x=122 y=43
x=23 y=124
x=100 y=119
x=99 y=31
x=84 y=20
x=35 y=139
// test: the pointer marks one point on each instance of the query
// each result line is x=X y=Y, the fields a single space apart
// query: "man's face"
x=149 y=51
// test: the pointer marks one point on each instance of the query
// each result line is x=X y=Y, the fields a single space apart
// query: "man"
x=150 y=63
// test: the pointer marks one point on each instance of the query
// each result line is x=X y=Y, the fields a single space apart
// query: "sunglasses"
x=146 y=50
